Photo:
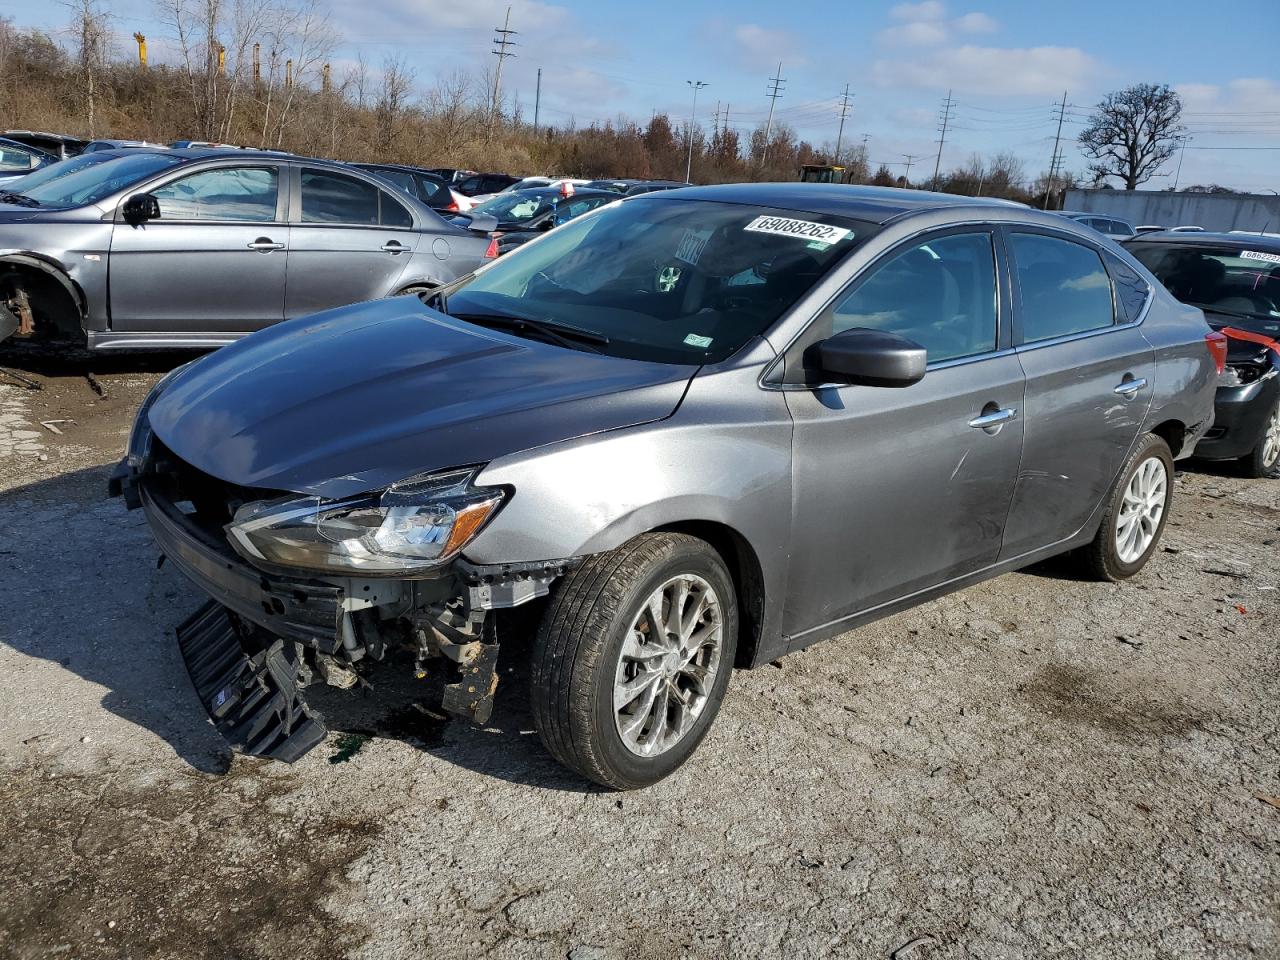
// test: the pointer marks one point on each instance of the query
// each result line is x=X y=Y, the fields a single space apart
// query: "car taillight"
x=492 y=251
x=1217 y=344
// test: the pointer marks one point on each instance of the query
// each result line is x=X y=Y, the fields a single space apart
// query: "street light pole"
x=688 y=167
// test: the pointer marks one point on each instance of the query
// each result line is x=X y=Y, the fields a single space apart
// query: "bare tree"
x=92 y=33
x=393 y=98
x=1133 y=132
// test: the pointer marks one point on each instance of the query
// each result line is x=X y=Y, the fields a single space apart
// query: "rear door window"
x=1132 y=291
x=335 y=198
x=1064 y=287
x=394 y=214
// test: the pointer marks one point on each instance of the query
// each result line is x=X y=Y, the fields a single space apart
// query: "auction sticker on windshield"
x=803 y=229
x=1259 y=255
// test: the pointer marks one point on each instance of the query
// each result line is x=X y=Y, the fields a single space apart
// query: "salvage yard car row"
x=681 y=431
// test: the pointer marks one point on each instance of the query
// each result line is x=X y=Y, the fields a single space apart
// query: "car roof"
x=1200 y=238
x=876 y=204
x=550 y=192
x=371 y=165
x=62 y=137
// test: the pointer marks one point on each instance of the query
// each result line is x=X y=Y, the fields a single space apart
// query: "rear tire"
x=1137 y=509
x=600 y=640
x=1264 y=460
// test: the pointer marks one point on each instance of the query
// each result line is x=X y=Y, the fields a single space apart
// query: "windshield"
x=514 y=207
x=676 y=281
x=87 y=179
x=1240 y=283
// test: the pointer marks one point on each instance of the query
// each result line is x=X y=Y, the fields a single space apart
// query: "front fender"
x=723 y=457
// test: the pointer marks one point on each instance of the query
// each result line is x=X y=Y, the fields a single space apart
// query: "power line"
x=947 y=105
x=1053 y=159
x=777 y=82
x=844 y=112
x=911 y=158
x=500 y=44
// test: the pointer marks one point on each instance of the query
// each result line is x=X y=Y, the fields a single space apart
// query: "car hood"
x=13 y=213
x=361 y=397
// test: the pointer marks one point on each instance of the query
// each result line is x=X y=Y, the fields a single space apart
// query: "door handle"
x=994 y=418
x=1130 y=387
x=265 y=245
x=394 y=246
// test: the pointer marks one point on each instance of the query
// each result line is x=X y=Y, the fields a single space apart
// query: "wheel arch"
x=1172 y=432
x=56 y=299
x=748 y=578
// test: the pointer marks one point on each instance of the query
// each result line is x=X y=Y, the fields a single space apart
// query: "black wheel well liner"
x=32 y=265
x=1172 y=432
x=748 y=578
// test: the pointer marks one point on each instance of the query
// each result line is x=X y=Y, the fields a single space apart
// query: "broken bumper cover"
x=252 y=698
x=303 y=610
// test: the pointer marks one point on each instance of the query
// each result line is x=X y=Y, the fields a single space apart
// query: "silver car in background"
x=155 y=248
x=691 y=430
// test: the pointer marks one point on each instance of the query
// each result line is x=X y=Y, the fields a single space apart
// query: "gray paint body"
x=197 y=283
x=850 y=501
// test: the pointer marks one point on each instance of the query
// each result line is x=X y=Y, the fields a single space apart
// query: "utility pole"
x=1178 y=173
x=715 y=123
x=500 y=44
x=911 y=158
x=777 y=82
x=537 y=101
x=947 y=104
x=1053 y=161
x=844 y=112
x=696 y=85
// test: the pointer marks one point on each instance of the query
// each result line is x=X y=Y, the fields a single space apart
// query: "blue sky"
x=1006 y=61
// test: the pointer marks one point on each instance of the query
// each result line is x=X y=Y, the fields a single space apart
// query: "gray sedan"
x=146 y=248
x=693 y=430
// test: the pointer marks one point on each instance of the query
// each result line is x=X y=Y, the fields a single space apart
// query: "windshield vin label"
x=1259 y=255
x=804 y=229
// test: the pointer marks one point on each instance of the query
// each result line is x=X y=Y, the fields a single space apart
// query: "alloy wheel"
x=1271 y=439
x=1141 y=509
x=669 y=662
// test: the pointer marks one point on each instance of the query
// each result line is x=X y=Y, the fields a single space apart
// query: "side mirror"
x=876 y=358
x=482 y=223
x=140 y=208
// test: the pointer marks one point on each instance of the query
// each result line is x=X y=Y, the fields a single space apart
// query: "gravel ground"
x=1035 y=767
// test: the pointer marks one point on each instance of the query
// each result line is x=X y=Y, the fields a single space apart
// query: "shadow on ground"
x=83 y=590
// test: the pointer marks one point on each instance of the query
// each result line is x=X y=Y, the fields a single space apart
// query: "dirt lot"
x=1036 y=767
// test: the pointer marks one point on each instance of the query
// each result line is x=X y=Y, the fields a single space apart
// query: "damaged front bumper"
x=266 y=634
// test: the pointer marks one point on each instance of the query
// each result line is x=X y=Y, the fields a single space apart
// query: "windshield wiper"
x=558 y=333
x=18 y=199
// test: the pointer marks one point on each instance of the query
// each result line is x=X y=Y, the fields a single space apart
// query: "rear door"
x=214 y=261
x=1090 y=378
x=351 y=241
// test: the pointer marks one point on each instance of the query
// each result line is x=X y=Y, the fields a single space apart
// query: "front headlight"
x=412 y=527
x=1238 y=374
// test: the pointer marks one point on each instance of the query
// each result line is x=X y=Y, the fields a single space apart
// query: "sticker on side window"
x=1259 y=255
x=803 y=229
x=691 y=246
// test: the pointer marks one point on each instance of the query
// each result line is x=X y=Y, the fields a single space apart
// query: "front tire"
x=1136 y=513
x=1265 y=457
x=632 y=658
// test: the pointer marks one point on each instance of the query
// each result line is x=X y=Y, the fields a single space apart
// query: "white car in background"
x=533 y=183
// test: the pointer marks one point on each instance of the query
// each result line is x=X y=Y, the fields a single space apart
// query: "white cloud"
x=1238 y=97
x=976 y=23
x=991 y=70
x=920 y=33
x=755 y=47
x=928 y=10
x=926 y=25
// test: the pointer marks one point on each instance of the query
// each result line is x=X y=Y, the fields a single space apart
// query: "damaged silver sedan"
x=689 y=432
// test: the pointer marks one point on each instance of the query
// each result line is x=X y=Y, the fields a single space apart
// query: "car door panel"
x=212 y=262
x=1088 y=392
x=870 y=534
x=339 y=252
